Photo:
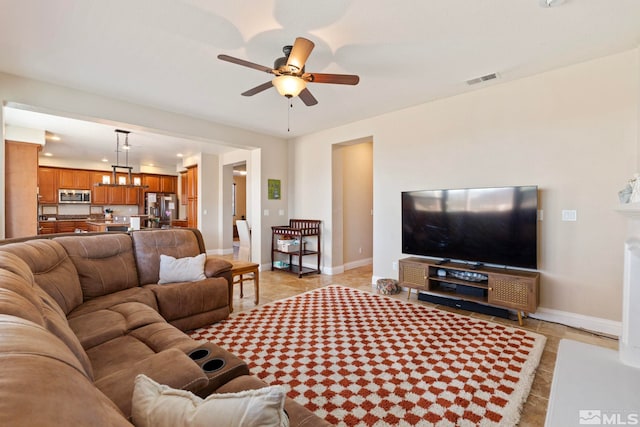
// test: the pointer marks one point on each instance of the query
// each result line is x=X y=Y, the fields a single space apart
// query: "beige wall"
x=573 y=132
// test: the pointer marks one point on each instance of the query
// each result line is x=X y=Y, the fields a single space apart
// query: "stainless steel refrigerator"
x=161 y=208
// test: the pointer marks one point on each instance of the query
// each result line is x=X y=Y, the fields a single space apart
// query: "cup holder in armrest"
x=213 y=365
x=199 y=353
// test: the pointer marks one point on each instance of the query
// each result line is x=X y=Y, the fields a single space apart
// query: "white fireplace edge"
x=629 y=346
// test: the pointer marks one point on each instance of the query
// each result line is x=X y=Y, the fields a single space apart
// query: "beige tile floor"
x=278 y=285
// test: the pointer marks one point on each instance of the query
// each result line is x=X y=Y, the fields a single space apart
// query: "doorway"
x=352 y=219
x=238 y=199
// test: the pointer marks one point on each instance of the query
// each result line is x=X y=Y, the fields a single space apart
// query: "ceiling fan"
x=291 y=79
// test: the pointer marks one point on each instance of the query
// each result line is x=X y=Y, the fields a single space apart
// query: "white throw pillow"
x=187 y=269
x=158 y=405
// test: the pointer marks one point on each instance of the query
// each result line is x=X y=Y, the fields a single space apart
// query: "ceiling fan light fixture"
x=289 y=86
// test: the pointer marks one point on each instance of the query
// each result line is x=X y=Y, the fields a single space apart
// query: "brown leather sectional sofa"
x=82 y=315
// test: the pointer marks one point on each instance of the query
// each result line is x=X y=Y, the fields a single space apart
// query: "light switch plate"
x=569 y=215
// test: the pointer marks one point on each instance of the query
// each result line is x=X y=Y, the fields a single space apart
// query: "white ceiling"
x=162 y=53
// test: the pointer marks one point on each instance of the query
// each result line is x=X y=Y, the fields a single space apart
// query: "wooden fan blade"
x=307 y=98
x=245 y=63
x=258 y=89
x=339 y=79
x=300 y=52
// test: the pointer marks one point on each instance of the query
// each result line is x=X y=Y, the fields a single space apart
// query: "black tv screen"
x=477 y=225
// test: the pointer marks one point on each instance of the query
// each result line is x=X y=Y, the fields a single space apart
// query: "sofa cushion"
x=42 y=383
x=216 y=266
x=179 y=300
x=149 y=245
x=105 y=263
x=162 y=336
x=23 y=336
x=159 y=405
x=30 y=302
x=141 y=295
x=16 y=265
x=187 y=269
x=52 y=270
x=97 y=327
x=57 y=324
x=169 y=367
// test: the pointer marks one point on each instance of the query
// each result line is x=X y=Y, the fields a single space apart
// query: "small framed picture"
x=273 y=189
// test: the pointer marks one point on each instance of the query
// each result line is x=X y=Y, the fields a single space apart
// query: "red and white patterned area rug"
x=360 y=359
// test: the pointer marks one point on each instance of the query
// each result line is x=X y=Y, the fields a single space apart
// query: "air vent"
x=482 y=79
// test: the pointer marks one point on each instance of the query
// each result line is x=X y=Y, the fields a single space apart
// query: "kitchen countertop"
x=68 y=219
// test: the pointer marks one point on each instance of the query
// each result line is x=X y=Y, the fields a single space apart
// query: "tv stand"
x=476 y=265
x=443 y=261
x=511 y=289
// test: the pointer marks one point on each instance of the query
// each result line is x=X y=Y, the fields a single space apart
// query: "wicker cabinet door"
x=413 y=275
x=513 y=292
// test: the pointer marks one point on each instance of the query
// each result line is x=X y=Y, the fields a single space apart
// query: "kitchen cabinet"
x=47 y=186
x=152 y=182
x=74 y=179
x=99 y=195
x=21 y=189
x=132 y=196
x=160 y=183
x=62 y=226
x=47 y=227
x=183 y=188
x=117 y=195
x=168 y=184
x=113 y=195
x=192 y=196
x=52 y=179
x=70 y=226
x=192 y=181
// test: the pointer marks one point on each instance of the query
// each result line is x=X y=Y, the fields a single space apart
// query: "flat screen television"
x=477 y=225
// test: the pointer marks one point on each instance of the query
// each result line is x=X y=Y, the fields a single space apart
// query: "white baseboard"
x=580 y=321
x=332 y=271
x=590 y=323
x=358 y=263
x=348 y=266
x=374 y=280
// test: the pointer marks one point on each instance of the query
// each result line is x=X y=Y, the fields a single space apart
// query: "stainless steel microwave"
x=74 y=196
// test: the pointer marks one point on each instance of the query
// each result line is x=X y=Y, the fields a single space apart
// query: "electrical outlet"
x=540 y=215
x=266 y=212
x=569 y=215
x=394 y=265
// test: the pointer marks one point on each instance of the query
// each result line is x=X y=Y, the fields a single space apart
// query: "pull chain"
x=289 y=108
